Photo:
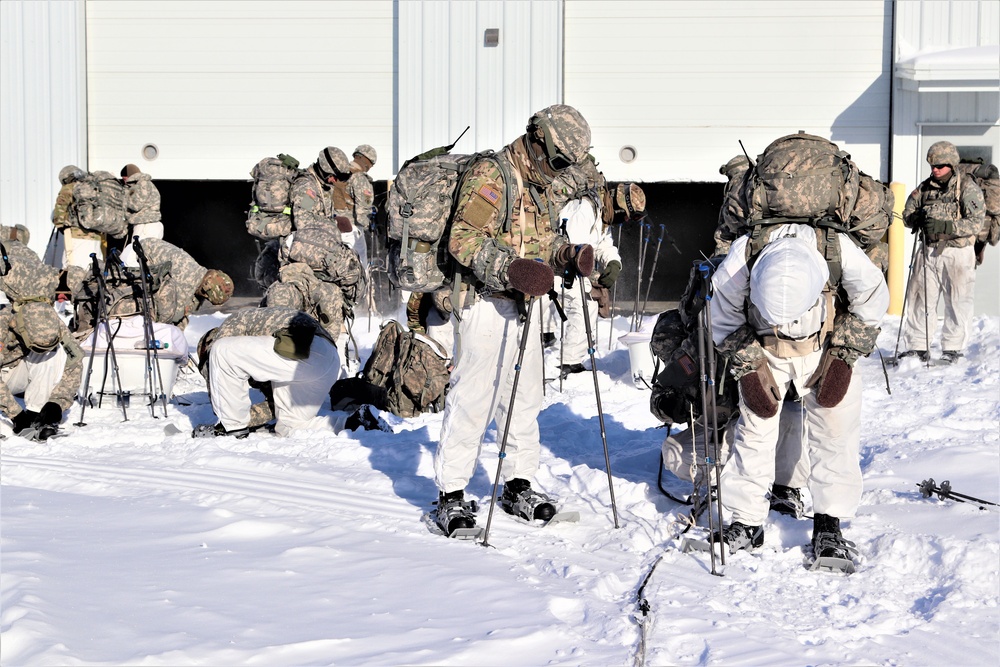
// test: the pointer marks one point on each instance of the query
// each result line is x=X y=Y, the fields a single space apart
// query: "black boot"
x=828 y=541
x=738 y=536
x=454 y=513
x=520 y=499
x=787 y=500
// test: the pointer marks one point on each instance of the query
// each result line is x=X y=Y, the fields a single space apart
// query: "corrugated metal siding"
x=449 y=80
x=43 y=116
x=216 y=85
x=683 y=82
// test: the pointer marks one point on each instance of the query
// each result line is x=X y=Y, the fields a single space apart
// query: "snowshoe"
x=787 y=500
x=456 y=517
x=950 y=356
x=365 y=418
x=831 y=552
x=41 y=433
x=737 y=537
x=569 y=369
x=519 y=499
x=217 y=430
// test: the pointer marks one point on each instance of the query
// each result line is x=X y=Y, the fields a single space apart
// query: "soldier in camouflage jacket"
x=283 y=347
x=78 y=243
x=948 y=210
x=298 y=288
x=142 y=209
x=40 y=359
x=360 y=193
x=498 y=253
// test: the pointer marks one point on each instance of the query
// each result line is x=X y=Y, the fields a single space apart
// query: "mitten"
x=23 y=420
x=344 y=224
x=529 y=276
x=50 y=414
x=760 y=392
x=580 y=257
x=610 y=274
x=831 y=379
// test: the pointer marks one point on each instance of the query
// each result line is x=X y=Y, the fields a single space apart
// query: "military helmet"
x=367 y=152
x=70 y=174
x=332 y=162
x=943 y=152
x=735 y=167
x=216 y=286
x=787 y=279
x=564 y=133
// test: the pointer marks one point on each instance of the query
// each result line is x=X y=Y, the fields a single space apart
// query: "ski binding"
x=831 y=564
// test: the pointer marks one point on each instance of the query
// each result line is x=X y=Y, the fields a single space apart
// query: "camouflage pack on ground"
x=270 y=214
x=99 y=204
x=320 y=247
x=987 y=177
x=419 y=208
x=802 y=176
x=411 y=369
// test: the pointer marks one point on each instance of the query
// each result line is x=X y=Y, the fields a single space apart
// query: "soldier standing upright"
x=947 y=210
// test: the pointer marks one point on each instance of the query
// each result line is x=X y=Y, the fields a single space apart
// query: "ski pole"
x=644 y=240
x=156 y=388
x=704 y=268
x=614 y=295
x=929 y=488
x=707 y=456
x=510 y=413
x=927 y=305
x=906 y=294
x=541 y=344
x=597 y=395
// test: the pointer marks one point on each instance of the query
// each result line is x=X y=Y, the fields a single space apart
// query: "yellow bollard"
x=896 y=274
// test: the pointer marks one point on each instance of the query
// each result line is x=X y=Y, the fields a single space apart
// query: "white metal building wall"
x=449 y=78
x=43 y=95
x=683 y=82
x=216 y=85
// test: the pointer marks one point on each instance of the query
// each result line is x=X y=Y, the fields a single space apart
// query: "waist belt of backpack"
x=784 y=347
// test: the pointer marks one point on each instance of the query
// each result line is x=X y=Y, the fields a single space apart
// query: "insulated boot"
x=453 y=512
x=950 y=356
x=548 y=339
x=787 y=500
x=739 y=536
x=569 y=369
x=521 y=500
x=828 y=541
x=923 y=355
x=365 y=418
x=215 y=430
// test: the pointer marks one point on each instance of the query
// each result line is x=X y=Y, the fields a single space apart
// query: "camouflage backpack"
x=802 y=177
x=270 y=214
x=321 y=248
x=99 y=204
x=871 y=218
x=987 y=177
x=23 y=275
x=420 y=206
x=411 y=368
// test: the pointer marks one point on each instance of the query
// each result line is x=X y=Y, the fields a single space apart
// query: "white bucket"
x=640 y=357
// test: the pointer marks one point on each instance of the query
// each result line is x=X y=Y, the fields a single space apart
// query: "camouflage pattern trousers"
x=481 y=385
x=299 y=386
x=832 y=442
x=951 y=277
x=36 y=376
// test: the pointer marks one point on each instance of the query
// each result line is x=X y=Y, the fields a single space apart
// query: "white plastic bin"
x=132 y=378
x=640 y=357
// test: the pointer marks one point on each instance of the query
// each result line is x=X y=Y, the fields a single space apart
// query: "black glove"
x=24 y=419
x=50 y=414
x=610 y=274
x=529 y=276
x=935 y=227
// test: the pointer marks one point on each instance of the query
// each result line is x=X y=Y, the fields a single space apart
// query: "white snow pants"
x=77 y=250
x=299 y=387
x=951 y=274
x=832 y=437
x=36 y=376
x=481 y=385
x=574 y=334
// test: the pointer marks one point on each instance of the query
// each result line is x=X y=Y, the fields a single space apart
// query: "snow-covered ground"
x=123 y=545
